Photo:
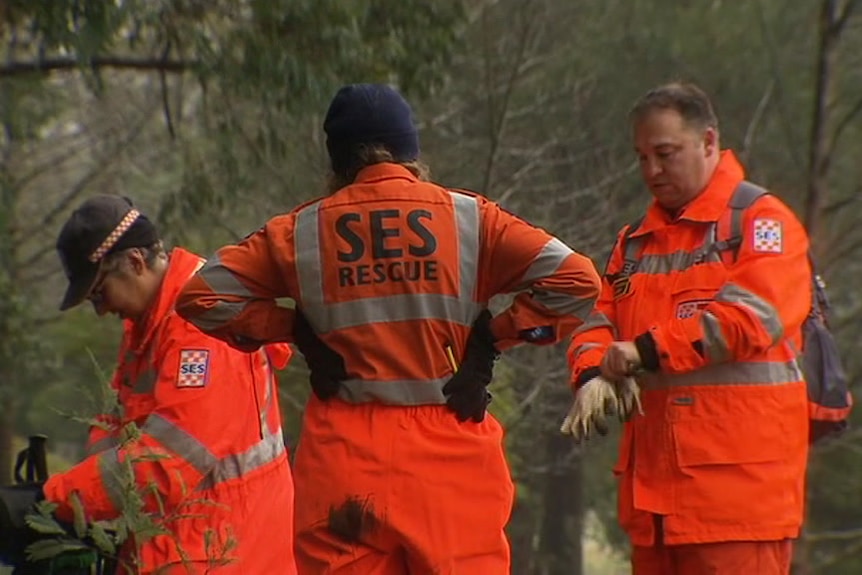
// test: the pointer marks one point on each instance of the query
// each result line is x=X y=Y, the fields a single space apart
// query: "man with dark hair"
x=703 y=300
x=208 y=457
x=399 y=469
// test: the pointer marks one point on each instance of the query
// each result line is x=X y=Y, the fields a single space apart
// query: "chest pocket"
x=694 y=288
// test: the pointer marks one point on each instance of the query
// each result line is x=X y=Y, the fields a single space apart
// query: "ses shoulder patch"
x=767 y=236
x=194 y=364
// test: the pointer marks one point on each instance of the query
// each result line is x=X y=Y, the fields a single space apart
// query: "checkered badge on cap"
x=194 y=364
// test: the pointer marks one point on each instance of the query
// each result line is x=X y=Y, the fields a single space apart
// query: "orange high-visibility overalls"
x=210 y=462
x=720 y=453
x=390 y=271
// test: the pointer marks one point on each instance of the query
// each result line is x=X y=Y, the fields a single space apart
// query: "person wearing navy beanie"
x=364 y=117
x=400 y=468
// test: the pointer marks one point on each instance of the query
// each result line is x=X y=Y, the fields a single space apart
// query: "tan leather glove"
x=597 y=399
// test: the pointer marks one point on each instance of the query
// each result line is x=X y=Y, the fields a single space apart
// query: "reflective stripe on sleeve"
x=737 y=373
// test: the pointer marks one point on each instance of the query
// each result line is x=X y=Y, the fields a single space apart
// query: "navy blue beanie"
x=368 y=114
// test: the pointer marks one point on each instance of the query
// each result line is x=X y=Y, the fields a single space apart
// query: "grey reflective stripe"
x=227 y=468
x=564 y=304
x=145 y=382
x=221 y=281
x=237 y=465
x=737 y=373
x=306 y=240
x=404 y=307
x=112 y=475
x=546 y=263
x=765 y=312
x=396 y=308
x=595 y=320
x=467 y=218
x=214 y=470
x=103 y=444
x=714 y=344
x=676 y=261
x=180 y=442
x=217 y=316
x=585 y=347
x=396 y=392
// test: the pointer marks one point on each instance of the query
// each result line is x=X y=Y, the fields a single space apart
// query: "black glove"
x=326 y=366
x=466 y=392
x=15 y=502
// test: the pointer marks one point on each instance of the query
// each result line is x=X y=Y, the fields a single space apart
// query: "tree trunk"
x=801 y=564
x=819 y=152
x=562 y=528
x=6 y=454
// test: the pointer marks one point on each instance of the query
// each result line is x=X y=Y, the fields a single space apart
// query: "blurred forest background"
x=208 y=114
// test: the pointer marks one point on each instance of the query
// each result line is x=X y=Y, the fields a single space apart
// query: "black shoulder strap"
x=630 y=248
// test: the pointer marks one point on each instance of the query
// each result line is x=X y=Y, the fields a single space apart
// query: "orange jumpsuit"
x=389 y=272
x=720 y=454
x=210 y=414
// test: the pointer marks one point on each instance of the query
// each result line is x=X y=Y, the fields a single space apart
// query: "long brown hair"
x=368 y=156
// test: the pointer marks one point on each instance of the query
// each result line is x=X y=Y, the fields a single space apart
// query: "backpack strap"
x=743 y=197
x=630 y=248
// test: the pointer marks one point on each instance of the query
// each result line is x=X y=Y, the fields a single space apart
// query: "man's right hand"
x=621 y=360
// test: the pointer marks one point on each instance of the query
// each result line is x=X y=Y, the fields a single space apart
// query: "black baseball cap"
x=102 y=225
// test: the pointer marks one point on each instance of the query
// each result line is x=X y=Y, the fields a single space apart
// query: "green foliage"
x=83 y=541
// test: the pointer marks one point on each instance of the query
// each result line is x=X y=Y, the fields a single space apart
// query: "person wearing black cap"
x=399 y=469
x=209 y=456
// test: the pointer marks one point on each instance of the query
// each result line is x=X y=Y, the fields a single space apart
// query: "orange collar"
x=384 y=171
x=181 y=266
x=708 y=206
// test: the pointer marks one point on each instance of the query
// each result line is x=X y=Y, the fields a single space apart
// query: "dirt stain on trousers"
x=352 y=519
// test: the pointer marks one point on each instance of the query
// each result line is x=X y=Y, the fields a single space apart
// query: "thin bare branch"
x=498 y=119
x=39 y=322
x=843 y=535
x=842 y=252
x=163 y=84
x=76 y=190
x=51 y=163
x=840 y=205
x=60 y=64
x=787 y=122
x=34 y=258
x=750 y=131
x=842 y=124
x=845 y=14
